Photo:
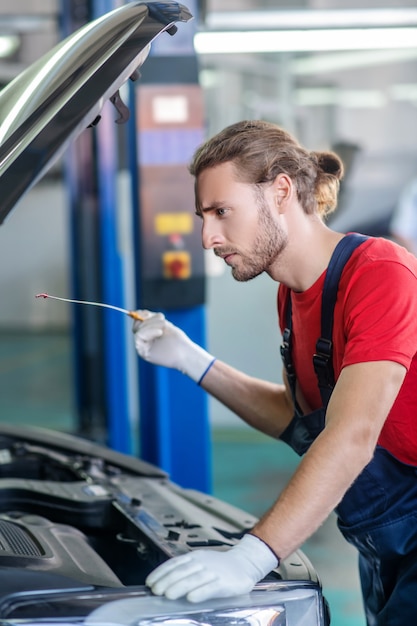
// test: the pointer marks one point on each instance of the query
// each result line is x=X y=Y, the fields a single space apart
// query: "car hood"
x=49 y=104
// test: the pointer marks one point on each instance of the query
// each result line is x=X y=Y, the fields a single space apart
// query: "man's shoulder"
x=380 y=261
x=380 y=250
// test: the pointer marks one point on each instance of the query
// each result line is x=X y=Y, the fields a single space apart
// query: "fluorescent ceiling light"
x=353 y=59
x=305 y=40
x=315 y=18
x=348 y=98
x=8 y=45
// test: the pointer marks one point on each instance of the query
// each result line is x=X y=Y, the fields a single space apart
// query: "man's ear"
x=283 y=189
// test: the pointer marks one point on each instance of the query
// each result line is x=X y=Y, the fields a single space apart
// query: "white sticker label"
x=170 y=109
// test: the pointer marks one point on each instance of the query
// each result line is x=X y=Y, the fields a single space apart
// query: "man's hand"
x=205 y=574
x=160 y=342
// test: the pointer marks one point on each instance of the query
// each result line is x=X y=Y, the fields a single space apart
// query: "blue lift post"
x=100 y=362
x=174 y=428
x=115 y=355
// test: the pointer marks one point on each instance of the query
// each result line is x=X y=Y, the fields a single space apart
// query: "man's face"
x=239 y=223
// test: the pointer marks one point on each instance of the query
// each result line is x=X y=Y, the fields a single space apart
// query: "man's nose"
x=210 y=236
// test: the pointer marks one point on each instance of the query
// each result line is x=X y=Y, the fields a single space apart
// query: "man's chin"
x=244 y=277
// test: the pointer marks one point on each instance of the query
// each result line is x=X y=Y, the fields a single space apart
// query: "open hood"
x=61 y=94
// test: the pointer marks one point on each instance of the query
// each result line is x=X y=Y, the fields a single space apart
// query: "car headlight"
x=274 y=604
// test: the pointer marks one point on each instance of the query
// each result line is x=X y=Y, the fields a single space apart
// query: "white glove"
x=205 y=574
x=160 y=342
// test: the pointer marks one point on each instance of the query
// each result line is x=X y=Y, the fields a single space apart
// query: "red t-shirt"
x=375 y=319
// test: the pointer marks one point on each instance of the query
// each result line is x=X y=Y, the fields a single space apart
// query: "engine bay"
x=82 y=525
x=94 y=520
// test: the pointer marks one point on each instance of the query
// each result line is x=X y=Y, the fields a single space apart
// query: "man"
x=263 y=200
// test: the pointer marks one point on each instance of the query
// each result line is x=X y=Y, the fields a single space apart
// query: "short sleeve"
x=380 y=314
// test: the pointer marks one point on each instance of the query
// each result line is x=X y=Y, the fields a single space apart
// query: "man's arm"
x=264 y=405
x=357 y=410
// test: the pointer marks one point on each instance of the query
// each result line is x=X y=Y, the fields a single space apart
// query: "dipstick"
x=132 y=314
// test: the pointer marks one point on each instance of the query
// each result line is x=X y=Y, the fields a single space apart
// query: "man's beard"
x=268 y=245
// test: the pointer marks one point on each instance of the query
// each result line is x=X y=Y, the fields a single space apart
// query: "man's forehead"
x=220 y=174
x=227 y=168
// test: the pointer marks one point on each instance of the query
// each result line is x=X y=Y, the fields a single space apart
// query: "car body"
x=81 y=525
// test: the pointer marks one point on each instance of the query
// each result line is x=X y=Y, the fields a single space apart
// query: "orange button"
x=177 y=264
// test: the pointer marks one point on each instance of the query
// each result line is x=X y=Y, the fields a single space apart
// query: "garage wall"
x=34 y=258
x=242 y=330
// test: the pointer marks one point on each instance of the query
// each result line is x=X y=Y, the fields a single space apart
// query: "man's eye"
x=221 y=212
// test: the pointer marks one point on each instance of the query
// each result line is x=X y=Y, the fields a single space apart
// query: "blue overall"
x=378 y=514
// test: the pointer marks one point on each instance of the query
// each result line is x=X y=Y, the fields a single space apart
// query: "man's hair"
x=261 y=150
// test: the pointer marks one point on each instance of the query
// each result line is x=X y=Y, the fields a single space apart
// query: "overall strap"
x=286 y=355
x=323 y=357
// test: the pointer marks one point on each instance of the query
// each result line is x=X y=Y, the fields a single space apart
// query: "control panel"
x=170 y=128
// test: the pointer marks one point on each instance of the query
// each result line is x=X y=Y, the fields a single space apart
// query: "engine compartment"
x=80 y=512
x=59 y=513
x=82 y=525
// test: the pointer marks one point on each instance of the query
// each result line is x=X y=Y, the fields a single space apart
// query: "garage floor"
x=249 y=470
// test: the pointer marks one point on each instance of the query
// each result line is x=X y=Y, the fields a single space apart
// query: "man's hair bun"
x=330 y=163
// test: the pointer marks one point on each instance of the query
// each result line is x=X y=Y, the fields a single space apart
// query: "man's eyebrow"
x=211 y=207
